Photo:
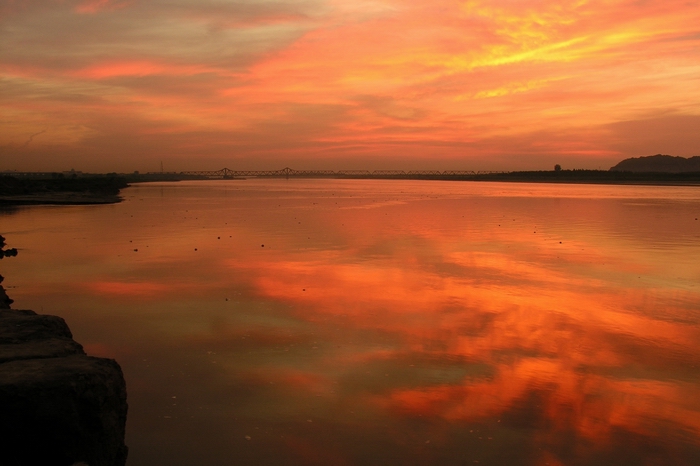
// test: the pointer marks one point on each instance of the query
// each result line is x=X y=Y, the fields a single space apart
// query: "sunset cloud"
x=94 y=6
x=331 y=83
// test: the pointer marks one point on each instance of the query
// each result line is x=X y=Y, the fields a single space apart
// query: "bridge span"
x=227 y=174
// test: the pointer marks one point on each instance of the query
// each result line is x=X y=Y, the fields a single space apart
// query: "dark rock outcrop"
x=659 y=164
x=58 y=406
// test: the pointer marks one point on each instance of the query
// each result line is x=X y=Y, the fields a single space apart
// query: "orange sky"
x=121 y=85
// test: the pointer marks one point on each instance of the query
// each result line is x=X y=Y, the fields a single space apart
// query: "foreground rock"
x=58 y=406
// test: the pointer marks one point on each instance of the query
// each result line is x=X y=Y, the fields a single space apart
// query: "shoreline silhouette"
x=57 y=189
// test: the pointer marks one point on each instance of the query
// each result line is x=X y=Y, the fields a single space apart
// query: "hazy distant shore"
x=576 y=176
x=595 y=177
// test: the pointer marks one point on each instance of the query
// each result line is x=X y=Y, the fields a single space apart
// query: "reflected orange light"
x=591 y=405
x=577 y=341
x=132 y=289
x=565 y=318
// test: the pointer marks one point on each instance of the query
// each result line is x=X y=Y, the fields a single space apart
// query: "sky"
x=124 y=85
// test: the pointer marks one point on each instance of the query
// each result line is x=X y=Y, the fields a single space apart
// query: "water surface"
x=352 y=322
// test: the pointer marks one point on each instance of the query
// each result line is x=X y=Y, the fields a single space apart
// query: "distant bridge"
x=227 y=173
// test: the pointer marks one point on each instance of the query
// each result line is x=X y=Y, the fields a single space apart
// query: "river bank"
x=61 y=191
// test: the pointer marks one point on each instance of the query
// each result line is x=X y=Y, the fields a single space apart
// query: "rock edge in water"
x=58 y=406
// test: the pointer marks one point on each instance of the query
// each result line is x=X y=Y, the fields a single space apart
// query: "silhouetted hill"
x=659 y=164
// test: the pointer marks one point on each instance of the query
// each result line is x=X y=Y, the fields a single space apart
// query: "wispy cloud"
x=31 y=137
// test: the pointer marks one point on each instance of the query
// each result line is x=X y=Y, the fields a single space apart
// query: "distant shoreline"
x=61 y=191
x=554 y=176
x=58 y=199
x=105 y=189
x=596 y=177
x=541 y=176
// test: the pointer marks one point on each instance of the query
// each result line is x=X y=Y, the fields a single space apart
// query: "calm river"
x=346 y=322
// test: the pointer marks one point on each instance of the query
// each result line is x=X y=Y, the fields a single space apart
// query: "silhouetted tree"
x=557 y=168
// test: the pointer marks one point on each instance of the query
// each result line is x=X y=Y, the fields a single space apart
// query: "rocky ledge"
x=58 y=406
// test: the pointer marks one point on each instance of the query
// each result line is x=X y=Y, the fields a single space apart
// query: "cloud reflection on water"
x=392 y=314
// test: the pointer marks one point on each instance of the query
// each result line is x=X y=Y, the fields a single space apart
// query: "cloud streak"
x=31 y=138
